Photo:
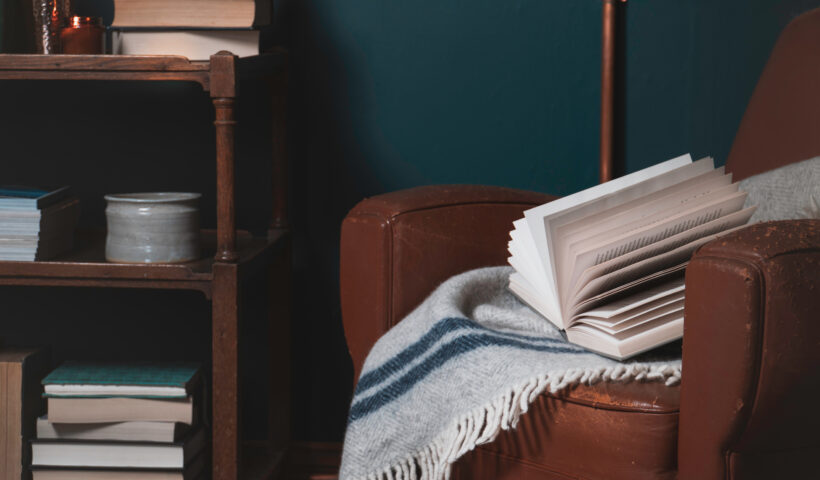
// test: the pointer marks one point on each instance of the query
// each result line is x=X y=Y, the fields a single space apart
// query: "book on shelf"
x=193 y=13
x=606 y=264
x=162 y=432
x=196 y=470
x=139 y=380
x=47 y=221
x=120 y=409
x=21 y=370
x=31 y=198
x=38 y=234
x=195 y=44
x=56 y=453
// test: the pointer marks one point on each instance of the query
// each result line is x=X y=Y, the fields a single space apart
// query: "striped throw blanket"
x=463 y=366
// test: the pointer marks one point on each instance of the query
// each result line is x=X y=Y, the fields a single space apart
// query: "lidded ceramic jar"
x=152 y=227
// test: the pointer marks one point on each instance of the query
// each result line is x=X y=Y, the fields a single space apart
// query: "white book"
x=117 y=454
x=620 y=243
x=120 y=409
x=196 y=45
x=163 y=432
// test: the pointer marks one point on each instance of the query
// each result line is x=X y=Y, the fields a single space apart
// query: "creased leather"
x=750 y=355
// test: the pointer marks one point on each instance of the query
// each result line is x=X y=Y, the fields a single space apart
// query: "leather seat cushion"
x=605 y=431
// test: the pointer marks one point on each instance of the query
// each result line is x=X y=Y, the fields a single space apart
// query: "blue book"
x=136 y=380
x=31 y=198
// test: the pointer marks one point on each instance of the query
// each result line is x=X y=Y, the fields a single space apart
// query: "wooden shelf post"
x=223 y=93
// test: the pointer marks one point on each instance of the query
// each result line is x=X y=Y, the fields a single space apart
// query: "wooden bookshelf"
x=86 y=266
x=231 y=255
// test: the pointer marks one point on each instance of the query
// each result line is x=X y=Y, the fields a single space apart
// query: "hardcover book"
x=606 y=264
x=192 y=13
x=118 y=454
x=163 y=432
x=120 y=409
x=139 y=380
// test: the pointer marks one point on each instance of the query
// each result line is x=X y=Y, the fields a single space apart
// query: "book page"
x=682 y=244
x=645 y=206
x=523 y=261
x=607 y=221
x=660 y=211
x=543 y=219
x=632 y=319
x=589 y=255
x=607 y=306
x=676 y=314
x=632 y=288
x=620 y=349
x=526 y=260
x=672 y=251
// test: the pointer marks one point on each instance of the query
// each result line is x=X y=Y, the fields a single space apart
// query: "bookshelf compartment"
x=232 y=256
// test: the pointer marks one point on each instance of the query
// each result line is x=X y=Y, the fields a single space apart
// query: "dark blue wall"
x=389 y=95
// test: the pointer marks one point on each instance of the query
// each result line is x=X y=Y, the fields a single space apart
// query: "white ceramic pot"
x=152 y=227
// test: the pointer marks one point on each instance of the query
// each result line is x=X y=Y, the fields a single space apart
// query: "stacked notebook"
x=118 y=422
x=606 y=265
x=35 y=223
x=195 y=29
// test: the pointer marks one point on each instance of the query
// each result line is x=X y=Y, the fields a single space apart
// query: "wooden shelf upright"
x=235 y=254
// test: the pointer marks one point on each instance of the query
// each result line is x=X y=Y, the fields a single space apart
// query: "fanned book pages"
x=606 y=264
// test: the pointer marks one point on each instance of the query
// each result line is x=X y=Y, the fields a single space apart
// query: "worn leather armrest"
x=397 y=247
x=751 y=354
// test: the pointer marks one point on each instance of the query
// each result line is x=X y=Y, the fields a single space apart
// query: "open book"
x=606 y=264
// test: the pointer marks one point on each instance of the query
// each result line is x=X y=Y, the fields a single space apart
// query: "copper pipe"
x=608 y=89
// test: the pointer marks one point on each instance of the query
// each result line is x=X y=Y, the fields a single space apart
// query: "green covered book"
x=137 y=380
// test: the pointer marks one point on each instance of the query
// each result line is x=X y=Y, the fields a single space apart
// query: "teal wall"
x=692 y=67
x=507 y=92
x=394 y=94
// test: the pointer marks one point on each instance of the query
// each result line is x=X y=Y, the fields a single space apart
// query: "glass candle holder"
x=49 y=16
x=82 y=35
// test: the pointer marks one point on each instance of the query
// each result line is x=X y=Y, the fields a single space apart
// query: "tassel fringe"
x=482 y=425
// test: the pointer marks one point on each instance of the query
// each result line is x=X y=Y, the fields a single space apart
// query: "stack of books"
x=606 y=265
x=118 y=422
x=195 y=29
x=36 y=223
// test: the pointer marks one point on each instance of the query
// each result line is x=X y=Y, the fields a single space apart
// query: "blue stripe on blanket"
x=447 y=352
x=429 y=339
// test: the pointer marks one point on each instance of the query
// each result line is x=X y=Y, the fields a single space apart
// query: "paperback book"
x=606 y=264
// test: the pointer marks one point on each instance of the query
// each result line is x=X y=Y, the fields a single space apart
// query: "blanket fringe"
x=483 y=424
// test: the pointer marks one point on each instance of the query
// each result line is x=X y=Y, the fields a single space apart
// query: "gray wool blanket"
x=461 y=368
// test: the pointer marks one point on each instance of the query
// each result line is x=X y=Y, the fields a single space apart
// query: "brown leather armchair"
x=751 y=352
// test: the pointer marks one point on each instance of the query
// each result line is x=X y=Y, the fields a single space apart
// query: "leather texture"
x=781 y=121
x=750 y=356
x=396 y=248
x=619 y=437
x=751 y=351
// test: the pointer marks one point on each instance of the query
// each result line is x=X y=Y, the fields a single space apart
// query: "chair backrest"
x=398 y=247
x=782 y=120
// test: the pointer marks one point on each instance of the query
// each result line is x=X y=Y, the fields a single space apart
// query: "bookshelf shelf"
x=130 y=67
x=85 y=266
x=231 y=255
